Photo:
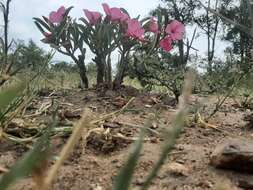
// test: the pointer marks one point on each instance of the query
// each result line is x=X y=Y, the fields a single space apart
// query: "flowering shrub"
x=105 y=34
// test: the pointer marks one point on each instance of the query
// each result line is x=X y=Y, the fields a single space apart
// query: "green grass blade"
x=168 y=146
x=123 y=180
x=173 y=133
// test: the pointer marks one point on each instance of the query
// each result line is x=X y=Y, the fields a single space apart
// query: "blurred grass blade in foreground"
x=173 y=133
x=32 y=159
x=123 y=180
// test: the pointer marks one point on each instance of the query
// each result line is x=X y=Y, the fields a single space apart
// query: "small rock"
x=225 y=184
x=118 y=165
x=234 y=154
x=248 y=111
x=69 y=114
x=96 y=187
x=178 y=169
x=205 y=184
x=139 y=181
x=245 y=184
x=115 y=161
x=181 y=161
x=180 y=147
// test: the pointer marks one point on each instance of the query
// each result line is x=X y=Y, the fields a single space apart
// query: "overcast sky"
x=22 y=12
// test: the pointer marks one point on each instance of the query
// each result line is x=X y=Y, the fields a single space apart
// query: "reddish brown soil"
x=95 y=167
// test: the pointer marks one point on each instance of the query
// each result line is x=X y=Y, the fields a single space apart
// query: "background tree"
x=31 y=56
x=64 y=66
x=242 y=43
x=6 y=63
x=209 y=24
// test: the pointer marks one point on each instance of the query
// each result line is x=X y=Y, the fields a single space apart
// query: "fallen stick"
x=138 y=126
x=113 y=113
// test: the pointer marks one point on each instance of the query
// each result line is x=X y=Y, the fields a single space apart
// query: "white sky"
x=22 y=12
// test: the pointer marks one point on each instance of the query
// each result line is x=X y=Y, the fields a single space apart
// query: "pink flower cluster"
x=174 y=30
x=116 y=15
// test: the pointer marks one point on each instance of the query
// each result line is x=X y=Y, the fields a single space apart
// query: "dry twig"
x=113 y=113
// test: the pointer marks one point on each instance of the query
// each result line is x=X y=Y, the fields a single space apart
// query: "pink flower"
x=153 y=26
x=48 y=37
x=106 y=9
x=166 y=44
x=92 y=16
x=124 y=17
x=115 y=14
x=57 y=17
x=47 y=34
x=176 y=30
x=134 y=29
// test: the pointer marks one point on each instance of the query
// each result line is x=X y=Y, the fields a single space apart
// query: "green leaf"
x=46 y=19
x=124 y=11
x=68 y=10
x=87 y=24
x=42 y=23
x=39 y=27
x=123 y=180
x=145 y=19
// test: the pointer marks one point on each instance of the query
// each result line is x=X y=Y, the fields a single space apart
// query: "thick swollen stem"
x=82 y=72
x=121 y=71
x=100 y=70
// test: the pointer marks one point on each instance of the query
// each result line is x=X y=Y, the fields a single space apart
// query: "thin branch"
x=239 y=26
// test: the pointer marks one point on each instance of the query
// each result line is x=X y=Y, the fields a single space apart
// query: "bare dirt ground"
x=94 y=165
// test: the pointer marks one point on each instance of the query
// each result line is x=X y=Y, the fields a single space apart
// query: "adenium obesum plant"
x=116 y=31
